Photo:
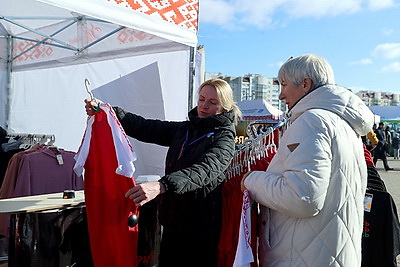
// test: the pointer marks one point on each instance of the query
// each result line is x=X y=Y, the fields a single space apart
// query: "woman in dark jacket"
x=200 y=150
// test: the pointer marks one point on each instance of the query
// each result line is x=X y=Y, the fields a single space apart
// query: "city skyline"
x=360 y=39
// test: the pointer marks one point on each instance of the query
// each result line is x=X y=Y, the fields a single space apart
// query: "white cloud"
x=260 y=13
x=387 y=51
x=380 y=4
x=387 y=31
x=318 y=9
x=364 y=61
x=218 y=12
x=393 y=67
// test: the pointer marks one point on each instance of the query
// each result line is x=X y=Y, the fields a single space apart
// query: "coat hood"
x=340 y=101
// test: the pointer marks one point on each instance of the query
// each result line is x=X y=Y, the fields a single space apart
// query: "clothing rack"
x=28 y=140
x=254 y=148
x=252 y=133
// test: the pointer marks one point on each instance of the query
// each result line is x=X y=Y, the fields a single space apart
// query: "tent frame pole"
x=44 y=41
x=37 y=32
x=8 y=78
x=192 y=70
x=102 y=38
x=59 y=43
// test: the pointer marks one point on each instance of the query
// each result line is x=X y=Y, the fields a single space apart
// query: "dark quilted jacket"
x=194 y=177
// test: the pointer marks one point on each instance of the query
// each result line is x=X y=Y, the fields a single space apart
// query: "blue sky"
x=359 y=38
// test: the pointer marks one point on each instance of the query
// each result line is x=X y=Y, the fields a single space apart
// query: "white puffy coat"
x=312 y=194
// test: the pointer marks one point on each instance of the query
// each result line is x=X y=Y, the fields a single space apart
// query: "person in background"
x=369 y=141
x=200 y=151
x=388 y=140
x=380 y=150
x=395 y=145
x=312 y=194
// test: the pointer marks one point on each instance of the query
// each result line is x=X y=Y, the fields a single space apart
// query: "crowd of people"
x=387 y=145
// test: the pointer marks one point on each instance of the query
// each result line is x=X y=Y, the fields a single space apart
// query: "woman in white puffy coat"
x=312 y=194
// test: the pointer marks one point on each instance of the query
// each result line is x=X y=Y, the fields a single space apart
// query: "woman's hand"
x=89 y=104
x=143 y=193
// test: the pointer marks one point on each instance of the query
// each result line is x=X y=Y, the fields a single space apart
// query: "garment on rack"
x=39 y=170
x=368 y=156
x=8 y=186
x=51 y=238
x=244 y=252
x=232 y=199
x=374 y=179
x=104 y=151
x=11 y=144
x=5 y=157
x=381 y=234
x=48 y=170
x=12 y=171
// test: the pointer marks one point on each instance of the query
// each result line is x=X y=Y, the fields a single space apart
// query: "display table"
x=47 y=230
x=40 y=202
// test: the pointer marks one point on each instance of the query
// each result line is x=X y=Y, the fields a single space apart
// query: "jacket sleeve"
x=298 y=177
x=207 y=170
x=147 y=130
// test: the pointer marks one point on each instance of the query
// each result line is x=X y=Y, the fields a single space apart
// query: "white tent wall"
x=3 y=97
x=50 y=101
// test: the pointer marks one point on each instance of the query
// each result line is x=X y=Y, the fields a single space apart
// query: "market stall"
x=257 y=110
x=136 y=55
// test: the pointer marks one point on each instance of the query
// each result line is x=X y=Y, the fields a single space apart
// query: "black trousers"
x=188 y=249
x=381 y=154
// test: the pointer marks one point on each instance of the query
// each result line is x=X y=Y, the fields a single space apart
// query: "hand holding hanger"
x=92 y=104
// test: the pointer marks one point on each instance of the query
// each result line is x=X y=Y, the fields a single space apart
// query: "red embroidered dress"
x=107 y=157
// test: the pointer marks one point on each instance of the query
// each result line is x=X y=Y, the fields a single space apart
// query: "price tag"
x=60 y=159
x=368 y=202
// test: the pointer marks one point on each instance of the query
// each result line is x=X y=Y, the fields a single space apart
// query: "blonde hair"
x=225 y=96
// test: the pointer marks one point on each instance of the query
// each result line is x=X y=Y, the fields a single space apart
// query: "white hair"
x=308 y=66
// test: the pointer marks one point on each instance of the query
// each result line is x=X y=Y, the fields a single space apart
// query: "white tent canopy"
x=259 y=109
x=129 y=50
x=387 y=113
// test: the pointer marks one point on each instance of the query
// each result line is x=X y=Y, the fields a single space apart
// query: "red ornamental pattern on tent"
x=130 y=36
x=179 y=12
x=183 y=13
x=91 y=33
x=39 y=51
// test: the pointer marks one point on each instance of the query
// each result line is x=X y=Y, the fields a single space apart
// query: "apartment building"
x=371 y=98
x=253 y=86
